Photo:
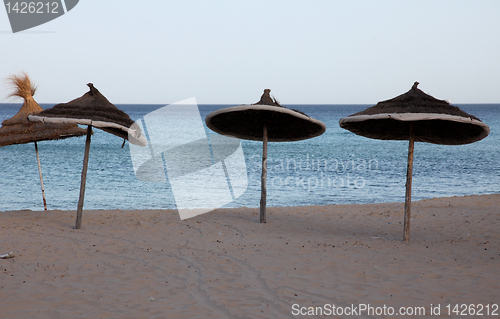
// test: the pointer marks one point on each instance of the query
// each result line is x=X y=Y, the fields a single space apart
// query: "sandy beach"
x=224 y=264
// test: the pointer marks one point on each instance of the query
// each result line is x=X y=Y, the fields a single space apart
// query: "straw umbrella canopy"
x=18 y=130
x=417 y=117
x=92 y=109
x=264 y=121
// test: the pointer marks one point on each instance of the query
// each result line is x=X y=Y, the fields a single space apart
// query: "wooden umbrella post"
x=41 y=179
x=263 y=189
x=409 y=173
x=84 y=179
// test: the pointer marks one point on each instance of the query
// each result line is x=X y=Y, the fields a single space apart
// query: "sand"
x=224 y=264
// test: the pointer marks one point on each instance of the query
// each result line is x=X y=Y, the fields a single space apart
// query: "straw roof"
x=266 y=99
x=247 y=122
x=18 y=130
x=434 y=121
x=94 y=109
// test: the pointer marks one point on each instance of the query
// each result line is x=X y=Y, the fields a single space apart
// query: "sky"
x=228 y=52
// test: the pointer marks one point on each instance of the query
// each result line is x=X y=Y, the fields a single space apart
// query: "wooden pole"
x=263 y=189
x=41 y=179
x=409 y=173
x=79 y=210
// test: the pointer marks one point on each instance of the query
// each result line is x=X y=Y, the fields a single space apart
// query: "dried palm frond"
x=23 y=87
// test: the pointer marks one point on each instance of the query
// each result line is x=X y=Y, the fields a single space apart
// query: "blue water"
x=337 y=167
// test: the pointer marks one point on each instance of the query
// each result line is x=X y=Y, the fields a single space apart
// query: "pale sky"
x=228 y=52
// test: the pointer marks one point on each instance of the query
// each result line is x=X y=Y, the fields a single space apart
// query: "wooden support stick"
x=263 y=189
x=79 y=210
x=409 y=173
x=41 y=179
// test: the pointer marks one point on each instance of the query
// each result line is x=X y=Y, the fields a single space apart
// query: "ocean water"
x=337 y=167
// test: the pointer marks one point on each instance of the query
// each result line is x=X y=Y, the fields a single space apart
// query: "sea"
x=337 y=167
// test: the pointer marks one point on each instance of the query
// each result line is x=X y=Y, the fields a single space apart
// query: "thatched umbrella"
x=264 y=121
x=92 y=109
x=18 y=130
x=416 y=117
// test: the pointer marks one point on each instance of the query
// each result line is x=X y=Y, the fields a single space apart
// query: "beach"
x=225 y=264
